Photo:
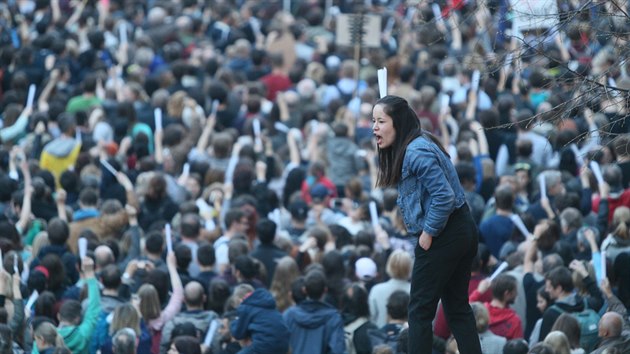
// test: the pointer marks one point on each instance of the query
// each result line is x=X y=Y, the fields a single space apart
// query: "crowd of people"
x=198 y=176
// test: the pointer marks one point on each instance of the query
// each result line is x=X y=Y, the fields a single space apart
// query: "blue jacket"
x=315 y=327
x=259 y=319
x=429 y=189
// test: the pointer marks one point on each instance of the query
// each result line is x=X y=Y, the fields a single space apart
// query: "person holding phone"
x=434 y=208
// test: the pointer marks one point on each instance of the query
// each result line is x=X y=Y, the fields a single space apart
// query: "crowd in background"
x=238 y=220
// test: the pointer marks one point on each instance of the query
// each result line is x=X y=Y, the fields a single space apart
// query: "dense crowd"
x=197 y=176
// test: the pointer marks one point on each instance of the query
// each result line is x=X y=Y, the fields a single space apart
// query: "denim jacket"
x=429 y=189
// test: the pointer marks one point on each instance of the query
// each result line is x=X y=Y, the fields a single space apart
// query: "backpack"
x=380 y=337
x=589 y=321
x=349 y=333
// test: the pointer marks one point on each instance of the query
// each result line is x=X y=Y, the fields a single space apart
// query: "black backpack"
x=380 y=337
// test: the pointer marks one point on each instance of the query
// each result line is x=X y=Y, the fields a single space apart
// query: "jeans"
x=443 y=272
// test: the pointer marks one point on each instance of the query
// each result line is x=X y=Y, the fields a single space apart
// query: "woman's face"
x=383 y=127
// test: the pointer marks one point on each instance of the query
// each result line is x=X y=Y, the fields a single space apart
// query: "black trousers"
x=443 y=272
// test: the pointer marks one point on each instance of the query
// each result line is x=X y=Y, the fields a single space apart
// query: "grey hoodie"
x=343 y=160
x=200 y=319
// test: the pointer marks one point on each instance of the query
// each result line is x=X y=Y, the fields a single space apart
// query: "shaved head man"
x=610 y=332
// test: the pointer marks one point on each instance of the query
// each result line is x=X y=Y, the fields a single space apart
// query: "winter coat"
x=259 y=320
x=315 y=327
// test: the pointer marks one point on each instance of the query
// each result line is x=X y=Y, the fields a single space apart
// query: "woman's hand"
x=425 y=241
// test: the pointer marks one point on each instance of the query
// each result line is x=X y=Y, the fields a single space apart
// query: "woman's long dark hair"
x=407 y=127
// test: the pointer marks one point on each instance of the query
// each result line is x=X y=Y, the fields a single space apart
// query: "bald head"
x=194 y=295
x=103 y=256
x=610 y=325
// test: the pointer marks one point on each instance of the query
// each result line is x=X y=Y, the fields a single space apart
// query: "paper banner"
x=169 y=238
x=83 y=244
x=543 y=186
x=373 y=215
x=215 y=108
x=122 y=30
x=109 y=167
x=31 y=300
x=445 y=101
x=518 y=222
x=474 y=81
x=31 y=95
x=382 y=81
x=256 y=126
x=499 y=270
x=437 y=13
x=597 y=172
x=157 y=113
x=214 y=324
x=576 y=152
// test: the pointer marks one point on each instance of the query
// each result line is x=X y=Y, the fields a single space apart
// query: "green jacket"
x=77 y=338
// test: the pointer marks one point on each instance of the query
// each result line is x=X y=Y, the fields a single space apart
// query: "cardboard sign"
x=348 y=25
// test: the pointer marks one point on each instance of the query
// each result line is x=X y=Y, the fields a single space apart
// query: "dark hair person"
x=433 y=206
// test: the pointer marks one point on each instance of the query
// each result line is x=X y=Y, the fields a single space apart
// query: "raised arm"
x=60 y=202
x=175 y=303
x=25 y=212
x=13 y=131
x=208 y=128
x=94 y=299
x=42 y=101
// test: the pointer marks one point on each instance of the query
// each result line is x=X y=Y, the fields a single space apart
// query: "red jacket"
x=505 y=322
x=613 y=203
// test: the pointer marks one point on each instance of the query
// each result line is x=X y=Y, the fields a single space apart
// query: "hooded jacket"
x=200 y=319
x=259 y=320
x=614 y=246
x=343 y=158
x=504 y=322
x=59 y=155
x=315 y=327
x=77 y=338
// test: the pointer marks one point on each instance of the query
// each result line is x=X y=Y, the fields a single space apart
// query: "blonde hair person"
x=559 y=342
x=618 y=240
x=286 y=272
x=570 y=326
x=149 y=305
x=490 y=342
x=46 y=336
x=399 y=270
x=125 y=316
x=41 y=240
